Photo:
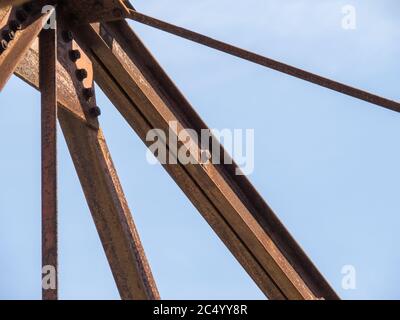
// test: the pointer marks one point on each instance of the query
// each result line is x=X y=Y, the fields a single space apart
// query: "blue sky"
x=326 y=163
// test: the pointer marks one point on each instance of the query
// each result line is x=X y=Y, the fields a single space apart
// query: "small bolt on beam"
x=75 y=55
x=81 y=74
x=95 y=112
x=88 y=93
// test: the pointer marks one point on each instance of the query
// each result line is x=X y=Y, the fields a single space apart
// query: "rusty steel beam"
x=6 y=3
x=263 y=61
x=48 y=89
x=19 y=42
x=110 y=10
x=148 y=99
x=91 y=11
x=96 y=171
x=109 y=208
x=68 y=95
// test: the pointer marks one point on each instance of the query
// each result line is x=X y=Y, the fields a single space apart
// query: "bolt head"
x=81 y=74
x=88 y=93
x=75 y=55
x=95 y=112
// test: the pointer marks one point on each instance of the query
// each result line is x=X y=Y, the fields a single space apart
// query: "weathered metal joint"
x=88 y=93
x=67 y=36
x=95 y=112
x=81 y=74
x=8 y=35
x=75 y=55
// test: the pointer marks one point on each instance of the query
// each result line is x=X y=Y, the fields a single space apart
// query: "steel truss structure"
x=91 y=41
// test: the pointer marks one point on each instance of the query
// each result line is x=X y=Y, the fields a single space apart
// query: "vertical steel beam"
x=96 y=172
x=48 y=88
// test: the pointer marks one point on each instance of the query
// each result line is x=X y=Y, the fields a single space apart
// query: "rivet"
x=74 y=55
x=81 y=74
x=88 y=93
x=95 y=112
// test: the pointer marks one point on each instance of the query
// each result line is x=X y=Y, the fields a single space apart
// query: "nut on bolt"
x=81 y=74
x=88 y=93
x=74 y=55
x=95 y=112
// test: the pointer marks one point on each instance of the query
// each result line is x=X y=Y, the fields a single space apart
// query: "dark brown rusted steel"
x=17 y=48
x=48 y=89
x=110 y=211
x=96 y=172
x=264 y=61
x=96 y=10
x=5 y=3
x=146 y=97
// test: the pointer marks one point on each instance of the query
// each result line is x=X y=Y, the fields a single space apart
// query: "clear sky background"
x=327 y=164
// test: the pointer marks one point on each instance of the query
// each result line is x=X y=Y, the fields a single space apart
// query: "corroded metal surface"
x=21 y=42
x=5 y=3
x=109 y=208
x=264 y=61
x=147 y=99
x=48 y=89
x=95 y=169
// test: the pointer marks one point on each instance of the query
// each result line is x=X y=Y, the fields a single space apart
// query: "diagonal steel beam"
x=265 y=61
x=96 y=172
x=112 y=10
x=148 y=99
x=111 y=214
x=14 y=50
